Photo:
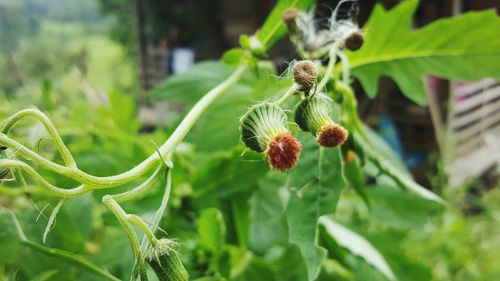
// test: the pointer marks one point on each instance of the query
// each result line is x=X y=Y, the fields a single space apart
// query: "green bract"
x=261 y=123
x=313 y=113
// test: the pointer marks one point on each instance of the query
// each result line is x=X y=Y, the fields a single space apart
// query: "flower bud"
x=290 y=15
x=355 y=41
x=305 y=74
x=349 y=156
x=313 y=115
x=166 y=262
x=264 y=129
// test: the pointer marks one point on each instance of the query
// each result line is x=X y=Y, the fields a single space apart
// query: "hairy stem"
x=329 y=69
x=288 y=94
x=122 y=218
x=7 y=125
x=93 y=182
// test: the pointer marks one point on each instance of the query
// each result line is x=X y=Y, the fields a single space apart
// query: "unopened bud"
x=165 y=261
x=355 y=41
x=313 y=115
x=349 y=156
x=290 y=15
x=305 y=74
x=264 y=129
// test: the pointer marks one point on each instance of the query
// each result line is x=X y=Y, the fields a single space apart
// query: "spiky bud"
x=165 y=261
x=305 y=74
x=264 y=129
x=355 y=41
x=290 y=15
x=313 y=115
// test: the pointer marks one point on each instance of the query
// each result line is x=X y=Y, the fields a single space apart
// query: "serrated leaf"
x=357 y=245
x=273 y=28
x=465 y=47
x=316 y=184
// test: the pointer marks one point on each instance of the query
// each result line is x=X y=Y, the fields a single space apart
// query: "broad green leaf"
x=212 y=230
x=210 y=185
x=376 y=151
x=465 y=47
x=400 y=209
x=315 y=184
x=267 y=208
x=273 y=28
x=356 y=245
x=9 y=239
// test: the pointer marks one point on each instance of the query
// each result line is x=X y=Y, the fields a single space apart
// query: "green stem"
x=288 y=94
x=329 y=69
x=135 y=219
x=138 y=191
x=92 y=182
x=122 y=218
x=161 y=210
x=7 y=125
x=346 y=70
x=38 y=179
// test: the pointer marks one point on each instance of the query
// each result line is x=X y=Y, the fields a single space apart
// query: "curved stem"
x=161 y=210
x=346 y=71
x=135 y=219
x=142 y=168
x=8 y=123
x=329 y=68
x=288 y=94
x=73 y=192
x=122 y=218
x=139 y=190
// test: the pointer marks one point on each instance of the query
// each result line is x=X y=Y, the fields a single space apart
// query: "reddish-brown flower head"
x=332 y=135
x=283 y=151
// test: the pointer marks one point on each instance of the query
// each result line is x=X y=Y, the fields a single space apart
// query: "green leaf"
x=8 y=238
x=212 y=230
x=356 y=245
x=44 y=276
x=353 y=175
x=393 y=207
x=466 y=47
x=233 y=57
x=273 y=28
x=389 y=164
x=316 y=184
x=267 y=206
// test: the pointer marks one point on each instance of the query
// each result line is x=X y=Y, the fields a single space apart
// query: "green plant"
x=292 y=227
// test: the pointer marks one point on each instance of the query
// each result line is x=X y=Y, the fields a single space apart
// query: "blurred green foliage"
x=232 y=217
